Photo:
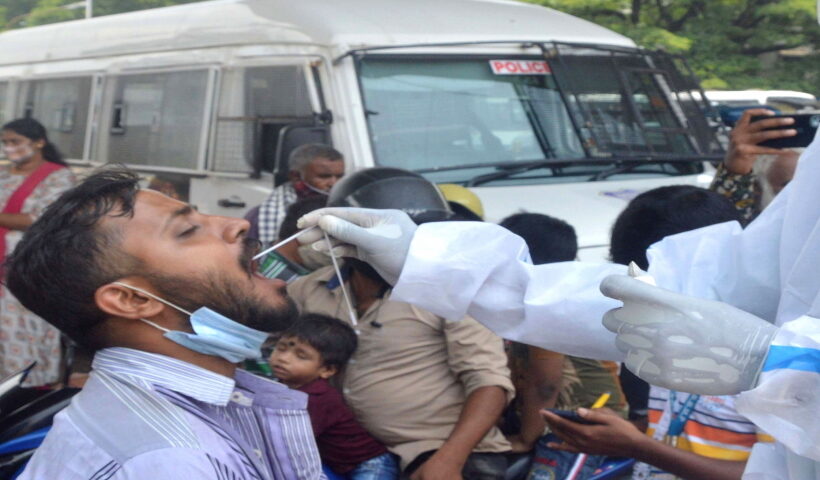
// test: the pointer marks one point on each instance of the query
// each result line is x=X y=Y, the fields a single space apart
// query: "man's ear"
x=327 y=371
x=123 y=302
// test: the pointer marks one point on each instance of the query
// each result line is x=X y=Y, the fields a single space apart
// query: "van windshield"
x=455 y=119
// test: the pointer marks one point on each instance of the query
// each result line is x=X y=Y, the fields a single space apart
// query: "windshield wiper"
x=619 y=168
x=470 y=166
x=507 y=172
x=628 y=165
x=621 y=165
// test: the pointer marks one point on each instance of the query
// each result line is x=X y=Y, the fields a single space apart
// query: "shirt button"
x=351 y=361
x=258 y=452
x=345 y=391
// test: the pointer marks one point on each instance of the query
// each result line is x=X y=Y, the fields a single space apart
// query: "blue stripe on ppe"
x=792 y=358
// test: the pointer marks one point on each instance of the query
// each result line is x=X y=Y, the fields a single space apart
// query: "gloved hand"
x=379 y=237
x=685 y=343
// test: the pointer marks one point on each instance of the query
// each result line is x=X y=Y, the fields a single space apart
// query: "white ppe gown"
x=771 y=269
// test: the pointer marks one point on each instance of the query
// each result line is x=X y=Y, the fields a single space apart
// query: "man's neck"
x=366 y=291
x=139 y=336
x=211 y=363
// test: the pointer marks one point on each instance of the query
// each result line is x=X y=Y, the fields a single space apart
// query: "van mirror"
x=290 y=137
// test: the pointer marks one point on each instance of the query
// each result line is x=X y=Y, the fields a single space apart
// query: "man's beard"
x=226 y=298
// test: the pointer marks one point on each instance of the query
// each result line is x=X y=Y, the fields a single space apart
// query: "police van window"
x=4 y=92
x=156 y=119
x=255 y=104
x=426 y=114
x=61 y=105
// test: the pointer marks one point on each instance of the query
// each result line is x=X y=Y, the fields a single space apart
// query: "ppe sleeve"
x=726 y=263
x=480 y=269
x=786 y=401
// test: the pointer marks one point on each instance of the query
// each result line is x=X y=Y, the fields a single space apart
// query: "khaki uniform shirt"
x=412 y=372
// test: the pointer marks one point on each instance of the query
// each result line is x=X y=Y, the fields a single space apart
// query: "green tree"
x=25 y=13
x=734 y=44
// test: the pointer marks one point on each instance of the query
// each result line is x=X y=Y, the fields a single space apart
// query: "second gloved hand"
x=379 y=237
x=685 y=343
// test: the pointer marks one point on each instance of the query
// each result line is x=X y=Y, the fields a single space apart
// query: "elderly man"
x=169 y=299
x=313 y=170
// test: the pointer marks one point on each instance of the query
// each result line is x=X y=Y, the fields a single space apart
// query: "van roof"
x=338 y=24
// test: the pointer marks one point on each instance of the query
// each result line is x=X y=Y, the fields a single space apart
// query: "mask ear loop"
x=350 y=310
x=166 y=302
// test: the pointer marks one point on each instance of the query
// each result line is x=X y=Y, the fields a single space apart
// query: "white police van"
x=536 y=110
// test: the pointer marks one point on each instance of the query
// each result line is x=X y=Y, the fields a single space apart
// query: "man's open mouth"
x=249 y=250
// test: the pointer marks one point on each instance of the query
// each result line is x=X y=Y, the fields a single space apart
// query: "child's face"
x=295 y=363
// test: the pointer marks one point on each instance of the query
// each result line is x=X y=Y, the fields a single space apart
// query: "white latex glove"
x=379 y=237
x=685 y=343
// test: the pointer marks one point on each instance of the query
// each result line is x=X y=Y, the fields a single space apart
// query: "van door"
x=264 y=111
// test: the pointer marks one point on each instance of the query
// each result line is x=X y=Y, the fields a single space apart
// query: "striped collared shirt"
x=143 y=415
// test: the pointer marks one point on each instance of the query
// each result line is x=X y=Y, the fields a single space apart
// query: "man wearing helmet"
x=431 y=390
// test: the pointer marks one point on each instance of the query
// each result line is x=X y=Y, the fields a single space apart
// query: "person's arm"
x=480 y=412
x=15 y=221
x=476 y=357
x=543 y=383
x=614 y=436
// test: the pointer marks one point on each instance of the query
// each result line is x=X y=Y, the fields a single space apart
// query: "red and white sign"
x=520 y=67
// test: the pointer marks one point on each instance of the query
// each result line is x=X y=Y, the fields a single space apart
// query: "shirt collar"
x=170 y=373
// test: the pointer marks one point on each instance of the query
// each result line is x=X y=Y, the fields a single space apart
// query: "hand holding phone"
x=805 y=124
x=570 y=415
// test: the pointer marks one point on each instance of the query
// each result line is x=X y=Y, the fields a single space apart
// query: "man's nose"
x=234 y=229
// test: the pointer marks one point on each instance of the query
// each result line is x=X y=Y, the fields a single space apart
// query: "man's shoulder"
x=281 y=192
x=313 y=282
x=126 y=420
x=68 y=452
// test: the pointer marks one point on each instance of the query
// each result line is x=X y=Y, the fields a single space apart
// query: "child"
x=306 y=355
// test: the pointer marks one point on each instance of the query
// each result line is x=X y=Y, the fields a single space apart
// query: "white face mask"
x=20 y=154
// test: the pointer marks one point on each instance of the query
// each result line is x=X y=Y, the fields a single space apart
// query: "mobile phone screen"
x=805 y=123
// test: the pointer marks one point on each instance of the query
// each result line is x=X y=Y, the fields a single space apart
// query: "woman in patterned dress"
x=33 y=178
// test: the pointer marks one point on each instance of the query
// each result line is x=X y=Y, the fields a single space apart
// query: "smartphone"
x=805 y=123
x=570 y=415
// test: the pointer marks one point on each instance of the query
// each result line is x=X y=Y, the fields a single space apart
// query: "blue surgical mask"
x=214 y=334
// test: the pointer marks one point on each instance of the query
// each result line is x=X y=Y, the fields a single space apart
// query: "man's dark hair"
x=549 y=239
x=661 y=212
x=65 y=256
x=333 y=339
x=296 y=211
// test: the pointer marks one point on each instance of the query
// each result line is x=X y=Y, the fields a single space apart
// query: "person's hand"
x=519 y=445
x=379 y=237
x=745 y=137
x=685 y=343
x=437 y=467
x=611 y=435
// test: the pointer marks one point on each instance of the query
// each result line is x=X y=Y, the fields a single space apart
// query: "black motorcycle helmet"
x=391 y=188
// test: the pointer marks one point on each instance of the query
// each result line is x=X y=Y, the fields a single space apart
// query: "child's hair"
x=334 y=340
